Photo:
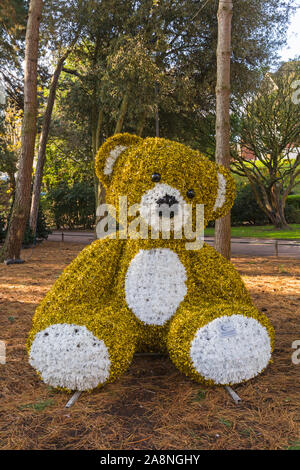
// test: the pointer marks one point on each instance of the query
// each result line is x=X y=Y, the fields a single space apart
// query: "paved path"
x=239 y=246
x=262 y=247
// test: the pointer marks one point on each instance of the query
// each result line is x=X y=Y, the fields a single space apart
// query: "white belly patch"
x=155 y=284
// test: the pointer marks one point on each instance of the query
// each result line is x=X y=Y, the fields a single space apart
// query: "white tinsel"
x=221 y=196
x=155 y=285
x=149 y=209
x=70 y=356
x=109 y=164
x=229 y=350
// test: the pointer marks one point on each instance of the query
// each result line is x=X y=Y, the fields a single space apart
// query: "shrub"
x=28 y=236
x=292 y=210
x=42 y=230
x=245 y=208
x=72 y=206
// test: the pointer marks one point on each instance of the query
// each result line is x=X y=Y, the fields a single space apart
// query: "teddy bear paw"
x=230 y=349
x=70 y=356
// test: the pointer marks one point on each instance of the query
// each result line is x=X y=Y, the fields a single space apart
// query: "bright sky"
x=293 y=36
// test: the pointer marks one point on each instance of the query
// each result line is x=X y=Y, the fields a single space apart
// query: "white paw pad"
x=70 y=356
x=229 y=350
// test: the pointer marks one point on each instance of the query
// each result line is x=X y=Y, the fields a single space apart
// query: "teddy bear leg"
x=81 y=356
x=224 y=344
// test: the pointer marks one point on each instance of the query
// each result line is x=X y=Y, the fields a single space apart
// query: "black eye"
x=190 y=193
x=155 y=177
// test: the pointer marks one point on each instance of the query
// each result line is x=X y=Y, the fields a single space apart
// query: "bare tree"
x=222 y=226
x=13 y=243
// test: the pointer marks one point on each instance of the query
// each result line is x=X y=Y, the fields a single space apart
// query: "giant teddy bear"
x=126 y=295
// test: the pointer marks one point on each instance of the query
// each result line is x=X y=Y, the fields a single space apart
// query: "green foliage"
x=134 y=48
x=200 y=395
x=247 y=211
x=42 y=230
x=8 y=138
x=13 y=15
x=292 y=210
x=72 y=206
x=294 y=446
x=245 y=208
x=8 y=161
x=262 y=231
x=294 y=199
x=268 y=126
x=28 y=236
x=160 y=54
x=38 y=406
x=68 y=156
x=2 y=229
x=227 y=423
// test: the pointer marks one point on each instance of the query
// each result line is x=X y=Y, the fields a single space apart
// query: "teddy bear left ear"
x=109 y=152
x=226 y=193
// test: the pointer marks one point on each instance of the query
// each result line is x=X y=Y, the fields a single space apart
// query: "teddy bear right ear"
x=225 y=193
x=109 y=152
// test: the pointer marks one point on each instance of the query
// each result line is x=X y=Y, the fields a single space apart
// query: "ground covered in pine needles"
x=153 y=406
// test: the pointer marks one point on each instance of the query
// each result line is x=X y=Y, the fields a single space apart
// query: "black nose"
x=167 y=199
x=170 y=201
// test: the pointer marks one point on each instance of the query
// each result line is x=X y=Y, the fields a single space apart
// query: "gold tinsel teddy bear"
x=124 y=294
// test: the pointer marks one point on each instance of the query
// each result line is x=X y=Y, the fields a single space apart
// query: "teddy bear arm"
x=86 y=280
x=217 y=278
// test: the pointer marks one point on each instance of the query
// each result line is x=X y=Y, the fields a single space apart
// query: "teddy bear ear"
x=225 y=194
x=109 y=152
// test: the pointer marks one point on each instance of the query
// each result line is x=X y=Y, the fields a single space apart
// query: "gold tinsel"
x=91 y=290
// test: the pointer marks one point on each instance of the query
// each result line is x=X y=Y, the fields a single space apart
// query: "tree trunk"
x=277 y=216
x=43 y=143
x=284 y=223
x=141 y=124
x=272 y=203
x=20 y=211
x=96 y=132
x=122 y=114
x=222 y=226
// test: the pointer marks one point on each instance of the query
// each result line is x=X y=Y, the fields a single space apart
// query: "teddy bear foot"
x=70 y=356
x=230 y=350
x=216 y=346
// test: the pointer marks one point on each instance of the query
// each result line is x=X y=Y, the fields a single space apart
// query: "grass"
x=263 y=231
x=295 y=446
x=39 y=406
x=227 y=423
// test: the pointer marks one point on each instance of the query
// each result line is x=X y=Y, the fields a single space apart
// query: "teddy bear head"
x=158 y=174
